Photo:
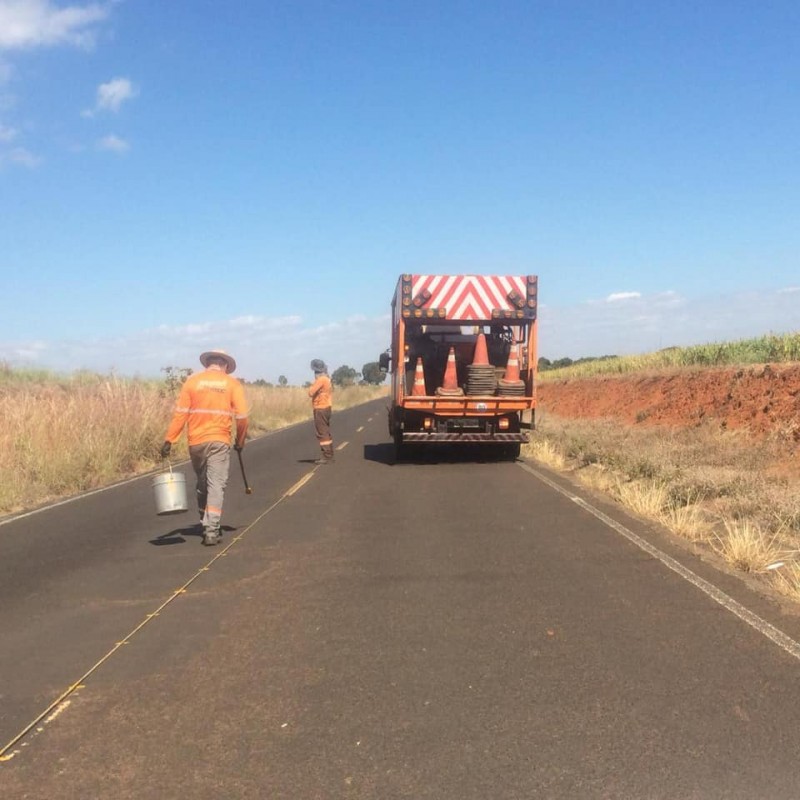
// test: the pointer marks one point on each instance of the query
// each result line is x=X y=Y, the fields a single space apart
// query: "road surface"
x=448 y=628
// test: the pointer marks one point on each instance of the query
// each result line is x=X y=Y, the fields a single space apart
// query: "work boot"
x=211 y=537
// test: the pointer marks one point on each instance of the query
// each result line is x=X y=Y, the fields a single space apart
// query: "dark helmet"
x=318 y=365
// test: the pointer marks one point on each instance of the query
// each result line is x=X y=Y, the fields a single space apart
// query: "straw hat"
x=229 y=360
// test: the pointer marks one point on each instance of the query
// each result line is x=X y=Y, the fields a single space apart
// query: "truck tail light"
x=427 y=423
x=502 y=424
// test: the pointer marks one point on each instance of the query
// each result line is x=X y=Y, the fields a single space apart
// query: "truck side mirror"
x=383 y=362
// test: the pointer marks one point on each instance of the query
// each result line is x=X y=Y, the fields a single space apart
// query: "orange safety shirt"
x=321 y=392
x=208 y=403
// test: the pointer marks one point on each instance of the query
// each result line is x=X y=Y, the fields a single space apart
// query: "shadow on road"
x=420 y=455
x=178 y=536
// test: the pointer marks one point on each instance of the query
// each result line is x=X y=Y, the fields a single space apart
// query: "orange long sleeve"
x=207 y=406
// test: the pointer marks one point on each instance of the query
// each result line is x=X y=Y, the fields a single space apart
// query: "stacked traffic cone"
x=450 y=387
x=510 y=384
x=481 y=378
x=419 y=381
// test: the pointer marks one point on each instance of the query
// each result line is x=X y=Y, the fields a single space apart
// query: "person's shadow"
x=179 y=535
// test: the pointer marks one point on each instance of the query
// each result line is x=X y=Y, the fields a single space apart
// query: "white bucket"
x=170 y=493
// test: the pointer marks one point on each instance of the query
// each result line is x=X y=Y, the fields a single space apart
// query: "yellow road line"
x=342 y=445
x=302 y=482
x=5 y=755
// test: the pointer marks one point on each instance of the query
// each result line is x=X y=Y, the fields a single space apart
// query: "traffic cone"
x=450 y=384
x=419 y=380
x=512 y=367
x=481 y=378
x=481 y=356
x=511 y=385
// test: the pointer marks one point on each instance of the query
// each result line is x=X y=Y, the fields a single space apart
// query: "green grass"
x=765 y=349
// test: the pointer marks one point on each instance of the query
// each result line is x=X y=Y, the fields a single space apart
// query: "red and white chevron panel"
x=468 y=297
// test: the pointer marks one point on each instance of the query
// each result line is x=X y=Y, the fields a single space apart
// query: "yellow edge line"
x=148 y=618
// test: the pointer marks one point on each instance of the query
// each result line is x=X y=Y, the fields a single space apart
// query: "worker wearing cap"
x=321 y=394
x=208 y=404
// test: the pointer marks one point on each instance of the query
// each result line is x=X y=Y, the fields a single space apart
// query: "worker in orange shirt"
x=321 y=394
x=208 y=404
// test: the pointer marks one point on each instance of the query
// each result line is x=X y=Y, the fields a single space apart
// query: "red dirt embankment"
x=764 y=399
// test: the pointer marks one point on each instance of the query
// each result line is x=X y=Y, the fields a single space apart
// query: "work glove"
x=165 y=448
x=238 y=447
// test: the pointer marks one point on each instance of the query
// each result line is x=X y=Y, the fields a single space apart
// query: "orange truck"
x=463 y=360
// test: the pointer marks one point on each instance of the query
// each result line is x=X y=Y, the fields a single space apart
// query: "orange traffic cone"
x=419 y=380
x=511 y=385
x=481 y=356
x=450 y=384
x=512 y=367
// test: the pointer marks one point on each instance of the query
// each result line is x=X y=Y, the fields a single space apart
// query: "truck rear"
x=463 y=360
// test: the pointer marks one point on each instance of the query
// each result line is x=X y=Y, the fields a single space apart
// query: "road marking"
x=717 y=595
x=62 y=701
x=358 y=430
x=342 y=445
x=299 y=485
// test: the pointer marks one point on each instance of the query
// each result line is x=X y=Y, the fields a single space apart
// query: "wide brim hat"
x=318 y=365
x=229 y=360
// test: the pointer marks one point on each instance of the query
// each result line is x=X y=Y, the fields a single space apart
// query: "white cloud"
x=21 y=157
x=26 y=24
x=616 y=296
x=264 y=347
x=111 y=95
x=113 y=144
x=651 y=322
x=6 y=133
x=789 y=290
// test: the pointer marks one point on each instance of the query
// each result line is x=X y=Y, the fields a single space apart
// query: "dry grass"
x=713 y=487
x=60 y=436
x=746 y=546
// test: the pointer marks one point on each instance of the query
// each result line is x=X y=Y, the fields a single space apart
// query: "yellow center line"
x=79 y=684
x=342 y=445
x=302 y=482
x=358 y=430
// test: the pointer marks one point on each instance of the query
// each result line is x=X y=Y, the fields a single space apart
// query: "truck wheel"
x=512 y=451
x=399 y=448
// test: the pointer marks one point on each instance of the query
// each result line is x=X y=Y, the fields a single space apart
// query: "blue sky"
x=253 y=175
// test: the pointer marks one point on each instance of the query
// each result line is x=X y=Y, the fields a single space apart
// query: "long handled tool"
x=248 y=489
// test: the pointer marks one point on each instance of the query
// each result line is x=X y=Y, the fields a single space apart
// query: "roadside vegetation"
x=761 y=350
x=724 y=491
x=63 y=435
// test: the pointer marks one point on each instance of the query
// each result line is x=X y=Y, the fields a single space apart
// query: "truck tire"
x=399 y=447
x=512 y=450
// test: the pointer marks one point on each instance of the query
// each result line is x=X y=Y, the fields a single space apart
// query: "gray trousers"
x=211 y=462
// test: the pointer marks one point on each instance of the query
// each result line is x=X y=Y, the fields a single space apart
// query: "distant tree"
x=261 y=382
x=372 y=373
x=344 y=376
x=545 y=364
x=283 y=380
x=175 y=376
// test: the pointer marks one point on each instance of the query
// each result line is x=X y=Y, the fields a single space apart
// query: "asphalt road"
x=444 y=628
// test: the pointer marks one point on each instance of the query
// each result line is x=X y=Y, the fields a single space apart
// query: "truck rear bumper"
x=488 y=438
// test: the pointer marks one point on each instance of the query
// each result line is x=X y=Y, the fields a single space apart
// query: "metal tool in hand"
x=247 y=487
